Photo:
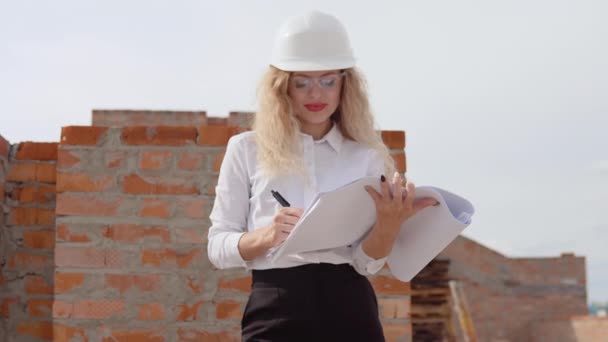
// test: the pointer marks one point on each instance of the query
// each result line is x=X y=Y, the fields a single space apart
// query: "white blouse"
x=244 y=202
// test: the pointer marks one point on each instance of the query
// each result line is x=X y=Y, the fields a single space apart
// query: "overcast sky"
x=503 y=102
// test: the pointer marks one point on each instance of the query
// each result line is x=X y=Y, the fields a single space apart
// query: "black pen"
x=279 y=198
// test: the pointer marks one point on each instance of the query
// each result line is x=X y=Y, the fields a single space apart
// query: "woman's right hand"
x=282 y=224
x=256 y=243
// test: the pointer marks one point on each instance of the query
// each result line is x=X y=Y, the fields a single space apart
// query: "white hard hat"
x=314 y=41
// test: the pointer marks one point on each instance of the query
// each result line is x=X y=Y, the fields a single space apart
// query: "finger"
x=372 y=192
x=411 y=194
x=385 y=188
x=297 y=212
x=282 y=236
x=422 y=203
x=403 y=189
x=292 y=211
x=289 y=220
x=403 y=193
x=287 y=215
x=397 y=192
x=285 y=228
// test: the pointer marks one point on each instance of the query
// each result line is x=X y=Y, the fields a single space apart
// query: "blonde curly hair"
x=276 y=127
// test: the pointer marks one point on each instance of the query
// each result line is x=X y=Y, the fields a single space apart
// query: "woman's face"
x=315 y=96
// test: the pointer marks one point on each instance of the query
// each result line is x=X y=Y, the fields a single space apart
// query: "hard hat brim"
x=309 y=65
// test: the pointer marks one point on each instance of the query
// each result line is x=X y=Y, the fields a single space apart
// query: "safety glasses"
x=327 y=82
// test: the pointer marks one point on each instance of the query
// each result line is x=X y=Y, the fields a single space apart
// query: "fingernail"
x=382 y=178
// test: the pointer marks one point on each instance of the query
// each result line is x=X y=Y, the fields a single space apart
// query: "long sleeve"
x=365 y=264
x=231 y=207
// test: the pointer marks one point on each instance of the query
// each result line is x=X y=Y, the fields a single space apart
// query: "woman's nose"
x=315 y=91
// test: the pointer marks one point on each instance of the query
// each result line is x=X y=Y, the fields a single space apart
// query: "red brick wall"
x=29 y=235
x=133 y=206
x=121 y=254
x=508 y=297
x=579 y=329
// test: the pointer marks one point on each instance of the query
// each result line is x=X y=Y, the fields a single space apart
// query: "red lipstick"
x=315 y=107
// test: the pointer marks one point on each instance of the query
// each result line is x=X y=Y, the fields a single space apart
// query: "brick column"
x=395 y=141
x=29 y=241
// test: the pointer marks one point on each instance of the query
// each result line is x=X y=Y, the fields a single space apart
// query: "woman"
x=313 y=132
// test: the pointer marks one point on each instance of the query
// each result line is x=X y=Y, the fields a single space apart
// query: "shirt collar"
x=334 y=137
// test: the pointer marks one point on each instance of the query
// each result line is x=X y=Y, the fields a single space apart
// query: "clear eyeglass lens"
x=302 y=83
x=326 y=82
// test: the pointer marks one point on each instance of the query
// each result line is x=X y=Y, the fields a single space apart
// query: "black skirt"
x=314 y=302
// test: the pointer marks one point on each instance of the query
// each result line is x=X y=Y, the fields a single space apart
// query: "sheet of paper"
x=330 y=220
x=427 y=233
x=343 y=217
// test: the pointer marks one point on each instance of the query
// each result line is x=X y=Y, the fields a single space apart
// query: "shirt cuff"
x=232 y=250
x=365 y=264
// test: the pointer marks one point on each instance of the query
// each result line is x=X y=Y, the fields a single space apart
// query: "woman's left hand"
x=397 y=204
